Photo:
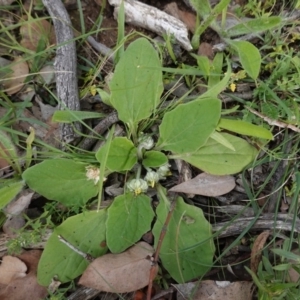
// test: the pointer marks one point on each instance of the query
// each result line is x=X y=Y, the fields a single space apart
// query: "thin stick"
x=274 y=122
x=86 y=256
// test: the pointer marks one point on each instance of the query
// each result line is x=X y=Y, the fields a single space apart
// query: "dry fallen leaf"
x=18 y=206
x=24 y=287
x=206 y=49
x=216 y=290
x=206 y=185
x=256 y=253
x=35 y=30
x=293 y=274
x=120 y=273
x=16 y=79
x=189 y=19
x=11 y=268
x=14 y=212
x=6 y=2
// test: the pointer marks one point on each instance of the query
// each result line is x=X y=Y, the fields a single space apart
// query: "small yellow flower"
x=232 y=87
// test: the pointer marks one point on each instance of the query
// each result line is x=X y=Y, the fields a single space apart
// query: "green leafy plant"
x=190 y=131
x=249 y=55
x=274 y=282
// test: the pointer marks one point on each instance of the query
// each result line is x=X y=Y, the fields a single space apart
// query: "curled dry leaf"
x=206 y=49
x=6 y=2
x=18 y=206
x=34 y=31
x=11 y=268
x=217 y=290
x=120 y=273
x=23 y=286
x=13 y=212
x=16 y=79
x=293 y=274
x=206 y=185
x=189 y=19
x=256 y=250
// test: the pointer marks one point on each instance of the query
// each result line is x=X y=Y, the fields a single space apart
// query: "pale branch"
x=151 y=18
x=65 y=66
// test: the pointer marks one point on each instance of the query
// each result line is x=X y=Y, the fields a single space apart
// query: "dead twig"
x=274 y=122
x=65 y=66
x=99 y=129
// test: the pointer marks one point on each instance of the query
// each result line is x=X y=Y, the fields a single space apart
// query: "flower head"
x=146 y=142
x=164 y=171
x=137 y=186
x=152 y=178
x=92 y=173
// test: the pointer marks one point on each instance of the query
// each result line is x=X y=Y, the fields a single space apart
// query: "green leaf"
x=122 y=154
x=203 y=63
x=121 y=33
x=187 y=249
x=202 y=7
x=8 y=151
x=62 y=180
x=86 y=232
x=129 y=217
x=216 y=159
x=245 y=128
x=220 y=139
x=66 y=116
x=153 y=159
x=219 y=87
x=188 y=126
x=249 y=56
x=137 y=83
x=9 y=191
x=105 y=97
x=255 y=25
x=287 y=254
x=217 y=66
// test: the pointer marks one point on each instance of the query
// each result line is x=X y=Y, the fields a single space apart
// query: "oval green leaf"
x=249 y=56
x=137 y=83
x=62 y=180
x=255 y=25
x=154 y=159
x=245 y=128
x=129 y=217
x=86 y=232
x=187 y=249
x=122 y=154
x=187 y=127
x=216 y=159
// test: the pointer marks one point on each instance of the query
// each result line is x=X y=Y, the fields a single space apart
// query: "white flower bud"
x=92 y=173
x=152 y=178
x=146 y=142
x=164 y=171
x=137 y=186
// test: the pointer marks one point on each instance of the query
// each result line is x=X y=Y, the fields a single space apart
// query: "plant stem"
x=161 y=236
x=138 y=172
